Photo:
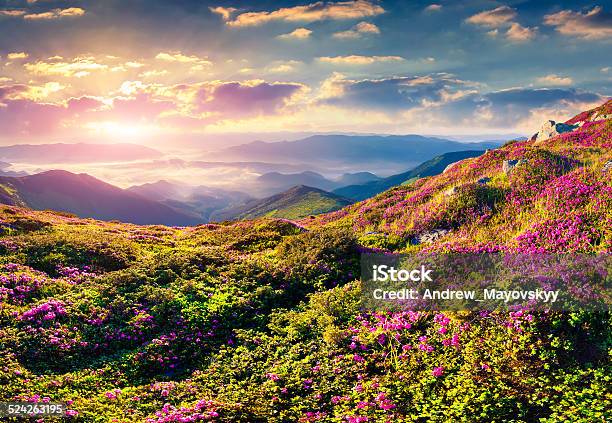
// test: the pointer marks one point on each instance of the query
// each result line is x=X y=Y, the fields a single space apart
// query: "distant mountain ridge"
x=431 y=167
x=86 y=196
x=76 y=153
x=402 y=150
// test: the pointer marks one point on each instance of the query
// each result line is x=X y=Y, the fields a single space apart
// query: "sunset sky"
x=116 y=69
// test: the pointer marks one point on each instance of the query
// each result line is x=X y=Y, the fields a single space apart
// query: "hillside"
x=263 y=320
x=295 y=203
x=86 y=196
x=431 y=167
x=534 y=196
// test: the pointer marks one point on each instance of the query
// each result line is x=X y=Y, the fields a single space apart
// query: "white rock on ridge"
x=551 y=129
x=509 y=165
x=597 y=116
x=450 y=166
x=430 y=236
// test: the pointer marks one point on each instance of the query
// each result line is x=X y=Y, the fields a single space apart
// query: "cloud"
x=358 y=30
x=359 y=60
x=433 y=8
x=17 y=55
x=12 y=12
x=519 y=33
x=517 y=107
x=298 y=34
x=78 y=67
x=197 y=64
x=553 y=79
x=224 y=12
x=240 y=99
x=501 y=16
x=24 y=111
x=283 y=66
x=592 y=25
x=393 y=94
x=56 y=14
x=352 y=9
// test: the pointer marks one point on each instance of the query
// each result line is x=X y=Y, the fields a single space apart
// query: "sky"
x=117 y=69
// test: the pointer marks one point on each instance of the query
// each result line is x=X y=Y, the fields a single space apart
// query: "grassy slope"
x=295 y=203
x=259 y=321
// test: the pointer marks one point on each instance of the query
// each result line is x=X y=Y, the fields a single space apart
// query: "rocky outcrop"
x=450 y=166
x=430 y=237
x=600 y=116
x=510 y=165
x=451 y=191
x=550 y=129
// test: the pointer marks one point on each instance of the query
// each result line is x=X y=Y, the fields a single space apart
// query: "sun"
x=120 y=129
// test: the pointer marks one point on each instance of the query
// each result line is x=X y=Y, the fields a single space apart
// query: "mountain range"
x=431 y=167
x=369 y=152
x=76 y=153
x=86 y=196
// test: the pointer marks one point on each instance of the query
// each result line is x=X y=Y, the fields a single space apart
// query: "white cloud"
x=501 y=16
x=297 y=34
x=358 y=31
x=553 y=79
x=351 y=9
x=359 y=60
x=519 y=33
x=595 y=24
x=433 y=8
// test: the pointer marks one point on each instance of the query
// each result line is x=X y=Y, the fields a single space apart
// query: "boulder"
x=551 y=129
x=509 y=165
x=600 y=116
x=430 y=237
x=449 y=167
x=451 y=191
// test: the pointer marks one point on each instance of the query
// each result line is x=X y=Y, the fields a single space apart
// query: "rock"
x=430 y=236
x=484 y=181
x=449 y=167
x=602 y=116
x=451 y=191
x=607 y=166
x=551 y=129
x=509 y=165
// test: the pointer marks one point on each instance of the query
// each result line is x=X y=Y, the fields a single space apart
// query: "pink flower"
x=437 y=371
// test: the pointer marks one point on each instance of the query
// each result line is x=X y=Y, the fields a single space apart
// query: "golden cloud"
x=17 y=55
x=595 y=24
x=318 y=11
x=358 y=30
x=56 y=14
x=178 y=57
x=78 y=67
x=12 y=13
x=519 y=33
x=299 y=34
x=359 y=60
x=500 y=16
x=553 y=79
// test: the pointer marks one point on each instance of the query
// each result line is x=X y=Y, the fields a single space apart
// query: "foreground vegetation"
x=260 y=321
